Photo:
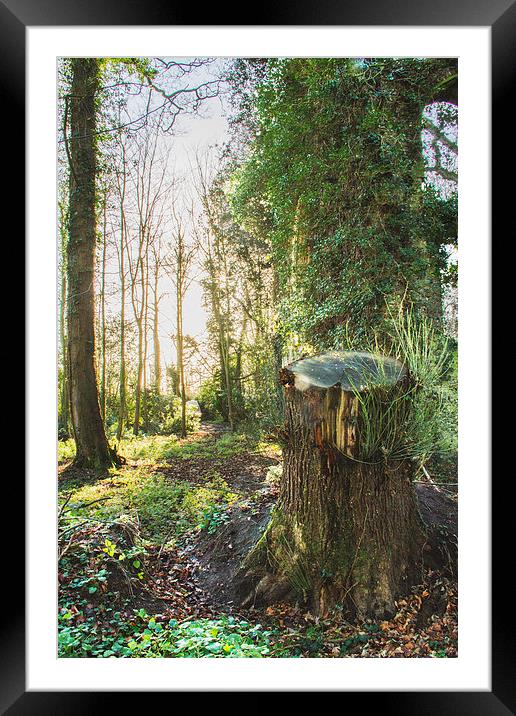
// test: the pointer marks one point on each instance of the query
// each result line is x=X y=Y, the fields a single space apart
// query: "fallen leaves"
x=402 y=636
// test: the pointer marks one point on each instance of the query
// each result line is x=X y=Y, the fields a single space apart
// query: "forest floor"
x=148 y=553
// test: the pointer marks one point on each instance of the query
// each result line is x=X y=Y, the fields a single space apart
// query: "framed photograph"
x=244 y=319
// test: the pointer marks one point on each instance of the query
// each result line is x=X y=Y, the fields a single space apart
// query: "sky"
x=195 y=133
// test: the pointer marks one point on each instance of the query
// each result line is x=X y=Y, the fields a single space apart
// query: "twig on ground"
x=427 y=475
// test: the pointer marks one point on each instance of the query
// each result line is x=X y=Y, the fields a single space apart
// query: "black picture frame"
x=500 y=16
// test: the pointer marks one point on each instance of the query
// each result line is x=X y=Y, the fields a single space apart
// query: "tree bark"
x=122 y=410
x=345 y=532
x=64 y=397
x=180 y=350
x=145 y=410
x=103 y=317
x=155 y=333
x=91 y=443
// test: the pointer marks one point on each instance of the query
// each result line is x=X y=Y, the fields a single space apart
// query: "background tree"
x=121 y=188
x=149 y=190
x=157 y=265
x=218 y=284
x=180 y=268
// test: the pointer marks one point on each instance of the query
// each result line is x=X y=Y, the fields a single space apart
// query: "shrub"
x=65 y=449
x=210 y=398
x=172 y=421
x=160 y=415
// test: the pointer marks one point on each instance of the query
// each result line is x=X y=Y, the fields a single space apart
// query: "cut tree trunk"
x=345 y=531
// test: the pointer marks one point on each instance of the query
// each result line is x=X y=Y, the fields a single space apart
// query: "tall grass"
x=418 y=345
x=405 y=420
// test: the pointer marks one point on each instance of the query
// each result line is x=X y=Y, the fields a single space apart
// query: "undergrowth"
x=164 y=509
x=160 y=448
x=126 y=588
x=112 y=531
x=148 y=637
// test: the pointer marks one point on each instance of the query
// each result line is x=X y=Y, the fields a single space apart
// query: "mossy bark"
x=92 y=448
x=344 y=532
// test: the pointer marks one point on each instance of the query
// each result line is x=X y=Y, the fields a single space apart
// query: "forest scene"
x=258 y=357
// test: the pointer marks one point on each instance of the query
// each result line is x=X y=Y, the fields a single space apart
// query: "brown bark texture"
x=91 y=443
x=345 y=532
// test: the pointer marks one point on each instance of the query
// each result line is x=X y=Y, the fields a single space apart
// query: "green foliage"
x=206 y=505
x=263 y=397
x=163 y=414
x=163 y=423
x=152 y=448
x=210 y=397
x=208 y=638
x=353 y=641
x=213 y=518
x=227 y=445
x=148 y=637
x=84 y=638
x=165 y=509
x=98 y=556
x=422 y=349
x=159 y=504
x=65 y=449
x=334 y=182
x=311 y=642
x=257 y=400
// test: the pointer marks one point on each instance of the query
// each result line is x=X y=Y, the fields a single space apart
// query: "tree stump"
x=346 y=530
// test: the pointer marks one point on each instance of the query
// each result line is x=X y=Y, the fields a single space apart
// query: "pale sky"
x=197 y=134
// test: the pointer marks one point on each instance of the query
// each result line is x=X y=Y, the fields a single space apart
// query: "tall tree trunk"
x=122 y=410
x=155 y=336
x=64 y=401
x=64 y=417
x=139 y=314
x=345 y=530
x=103 y=321
x=139 y=377
x=145 y=346
x=91 y=443
x=180 y=347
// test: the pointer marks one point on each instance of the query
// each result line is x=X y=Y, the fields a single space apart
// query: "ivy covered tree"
x=335 y=179
x=92 y=449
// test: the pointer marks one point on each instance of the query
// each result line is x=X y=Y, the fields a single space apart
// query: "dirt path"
x=214 y=430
